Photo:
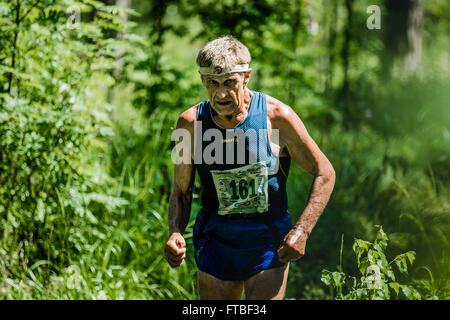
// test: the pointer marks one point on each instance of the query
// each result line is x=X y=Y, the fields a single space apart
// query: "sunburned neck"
x=228 y=118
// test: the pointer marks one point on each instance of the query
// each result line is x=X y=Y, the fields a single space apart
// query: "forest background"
x=90 y=92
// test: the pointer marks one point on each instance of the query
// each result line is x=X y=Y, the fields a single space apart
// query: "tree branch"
x=32 y=7
x=13 y=59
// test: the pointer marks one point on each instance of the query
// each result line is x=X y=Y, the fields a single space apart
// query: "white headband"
x=220 y=71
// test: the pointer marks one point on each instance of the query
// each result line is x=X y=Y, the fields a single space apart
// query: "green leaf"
x=360 y=247
x=338 y=279
x=411 y=256
x=382 y=238
x=395 y=286
x=4 y=9
x=401 y=261
x=361 y=244
x=411 y=293
x=326 y=278
x=361 y=293
x=391 y=275
x=363 y=266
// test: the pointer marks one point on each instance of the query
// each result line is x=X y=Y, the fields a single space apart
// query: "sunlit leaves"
x=377 y=275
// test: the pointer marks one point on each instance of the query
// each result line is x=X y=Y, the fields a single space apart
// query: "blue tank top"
x=237 y=183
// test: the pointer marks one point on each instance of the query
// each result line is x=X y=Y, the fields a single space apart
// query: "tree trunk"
x=345 y=53
x=14 y=51
x=402 y=35
x=120 y=35
x=331 y=46
x=293 y=75
x=414 y=36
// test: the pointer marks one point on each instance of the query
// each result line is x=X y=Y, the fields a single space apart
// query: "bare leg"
x=212 y=288
x=268 y=284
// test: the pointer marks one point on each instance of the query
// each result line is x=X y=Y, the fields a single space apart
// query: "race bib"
x=242 y=190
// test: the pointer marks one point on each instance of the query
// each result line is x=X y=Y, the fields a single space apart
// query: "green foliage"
x=377 y=277
x=86 y=115
x=45 y=129
x=69 y=227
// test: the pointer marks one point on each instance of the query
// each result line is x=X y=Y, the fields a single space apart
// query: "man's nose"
x=222 y=92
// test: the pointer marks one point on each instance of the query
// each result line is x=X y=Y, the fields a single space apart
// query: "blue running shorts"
x=236 y=248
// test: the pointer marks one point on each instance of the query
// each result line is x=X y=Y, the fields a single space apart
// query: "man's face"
x=226 y=92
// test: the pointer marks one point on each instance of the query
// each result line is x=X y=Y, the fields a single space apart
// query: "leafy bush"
x=378 y=279
x=86 y=114
x=83 y=193
x=50 y=126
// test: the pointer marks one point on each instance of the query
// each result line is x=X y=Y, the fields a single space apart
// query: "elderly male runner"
x=243 y=234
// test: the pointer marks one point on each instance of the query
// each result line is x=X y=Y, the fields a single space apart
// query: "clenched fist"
x=175 y=250
x=293 y=246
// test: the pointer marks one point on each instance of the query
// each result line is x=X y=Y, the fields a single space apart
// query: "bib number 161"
x=242 y=189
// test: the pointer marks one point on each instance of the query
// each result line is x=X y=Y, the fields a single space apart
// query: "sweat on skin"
x=230 y=99
x=305 y=153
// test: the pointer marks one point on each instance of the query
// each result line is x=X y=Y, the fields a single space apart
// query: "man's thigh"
x=268 y=284
x=212 y=288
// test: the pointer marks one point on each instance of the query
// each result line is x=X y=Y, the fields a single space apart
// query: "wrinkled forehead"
x=223 y=77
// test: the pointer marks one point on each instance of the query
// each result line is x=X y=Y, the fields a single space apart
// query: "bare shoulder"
x=279 y=113
x=187 y=118
x=291 y=128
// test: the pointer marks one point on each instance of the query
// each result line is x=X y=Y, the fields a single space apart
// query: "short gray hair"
x=225 y=52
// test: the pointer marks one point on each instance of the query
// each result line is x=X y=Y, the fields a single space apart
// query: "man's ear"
x=247 y=76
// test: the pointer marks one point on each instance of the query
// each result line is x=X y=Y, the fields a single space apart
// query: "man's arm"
x=180 y=200
x=307 y=155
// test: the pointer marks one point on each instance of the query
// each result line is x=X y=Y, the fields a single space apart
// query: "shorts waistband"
x=250 y=216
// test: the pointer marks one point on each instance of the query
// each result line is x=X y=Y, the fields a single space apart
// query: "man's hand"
x=293 y=246
x=175 y=250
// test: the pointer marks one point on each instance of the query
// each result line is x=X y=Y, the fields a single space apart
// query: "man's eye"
x=230 y=82
x=212 y=82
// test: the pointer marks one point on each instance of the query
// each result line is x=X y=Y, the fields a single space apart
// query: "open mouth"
x=223 y=103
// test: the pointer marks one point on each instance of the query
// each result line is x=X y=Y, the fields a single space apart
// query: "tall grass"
x=119 y=255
